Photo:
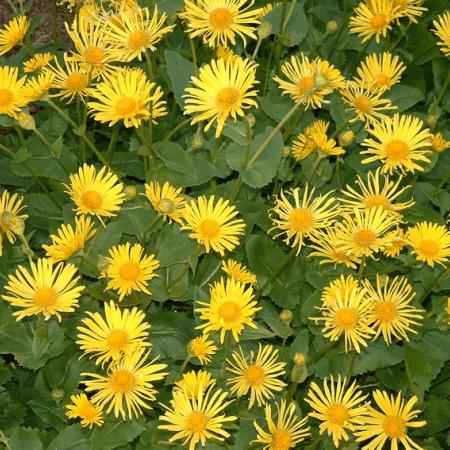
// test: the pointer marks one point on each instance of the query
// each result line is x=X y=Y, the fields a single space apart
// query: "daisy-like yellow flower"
x=315 y=139
x=11 y=91
x=136 y=33
x=13 y=33
x=325 y=246
x=127 y=386
x=117 y=333
x=219 y=21
x=439 y=143
x=309 y=81
x=430 y=242
x=381 y=70
x=37 y=88
x=410 y=9
x=193 y=382
x=238 y=272
x=338 y=406
x=392 y=314
x=266 y=9
x=399 y=143
x=395 y=241
x=339 y=287
x=362 y=233
x=95 y=193
x=225 y=53
x=258 y=377
x=223 y=89
x=390 y=422
x=167 y=200
x=442 y=31
x=11 y=216
x=367 y=105
x=304 y=218
x=202 y=348
x=373 y=18
x=129 y=269
x=286 y=433
x=127 y=96
x=347 y=316
x=69 y=240
x=89 y=11
x=231 y=308
x=197 y=419
x=213 y=225
x=37 y=62
x=45 y=289
x=81 y=408
x=376 y=191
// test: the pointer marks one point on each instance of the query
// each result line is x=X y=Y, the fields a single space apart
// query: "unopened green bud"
x=299 y=374
x=286 y=316
x=26 y=121
x=332 y=26
x=250 y=119
x=57 y=394
x=102 y=263
x=432 y=120
x=264 y=30
x=346 y=138
x=197 y=142
x=299 y=359
x=286 y=150
x=130 y=192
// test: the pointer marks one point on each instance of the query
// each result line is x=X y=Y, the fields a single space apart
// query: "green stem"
x=352 y=363
x=281 y=27
x=291 y=392
x=112 y=143
x=150 y=227
x=338 y=173
x=185 y=363
x=362 y=266
x=295 y=121
x=443 y=90
x=50 y=148
x=404 y=33
x=194 y=56
x=148 y=60
x=258 y=45
x=172 y=132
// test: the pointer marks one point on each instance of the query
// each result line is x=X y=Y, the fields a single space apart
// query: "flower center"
x=209 y=229
x=229 y=311
x=346 y=318
x=221 y=18
x=301 y=219
x=45 y=297
x=138 y=40
x=92 y=200
x=117 y=339
x=394 y=427
x=227 y=97
x=255 y=374
x=126 y=106
x=6 y=98
x=129 y=271
x=364 y=237
x=122 y=381
x=281 y=440
x=385 y=311
x=378 y=22
x=377 y=200
x=429 y=247
x=196 y=421
x=167 y=206
x=363 y=103
x=197 y=348
x=305 y=84
x=14 y=37
x=87 y=410
x=340 y=256
x=94 y=55
x=337 y=414
x=383 y=80
x=76 y=82
x=397 y=150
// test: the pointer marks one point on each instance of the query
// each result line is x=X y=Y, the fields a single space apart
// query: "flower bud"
x=17 y=227
x=57 y=394
x=250 y=119
x=299 y=359
x=332 y=26
x=432 y=120
x=286 y=316
x=130 y=192
x=197 y=142
x=264 y=30
x=102 y=263
x=346 y=138
x=286 y=151
x=26 y=121
x=299 y=374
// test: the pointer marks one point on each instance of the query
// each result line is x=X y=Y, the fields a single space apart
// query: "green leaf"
x=376 y=356
x=404 y=97
x=25 y=439
x=174 y=247
x=116 y=433
x=73 y=437
x=180 y=71
x=175 y=158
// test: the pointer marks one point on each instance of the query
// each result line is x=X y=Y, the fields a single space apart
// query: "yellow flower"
x=116 y=334
x=81 y=408
x=430 y=242
x=219 y=21
x=37 y=62
x=126 y=96
x=286 y=433
x=347 y=316
x=37 y=88
x=439 y=143
x=362 y=233
x=410 y=9
x=225 y=53
x=222 y=89
x=98 y=194
x=69 y=240
x=129 y=269
x=213 y=225
x=338 y=406
x=314 y=139
x=392 y=314
x=166 y=200
x=199 y=419
x=238 y=272
x=338 y=288
x=193 y=382
x=257 y=376
x=367 y=105
x=376 y=191
x=89 y=11
x=373 y=18
x=389 y=423
x=202 y=348
x=231 y=308
x=10 y=215
x=309 y=81
x=381 y=70
x=128 y=385
x=46 y=289
x=304 y=218
x=11 y=91
x=399 y=143
x=135 y=33
x=395 y=241
x=442 y=31
x=13 y=33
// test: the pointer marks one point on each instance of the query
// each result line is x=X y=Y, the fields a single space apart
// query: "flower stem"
x=50 y=148
x=194 y=56
x=185 y=363
x=112 y=143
